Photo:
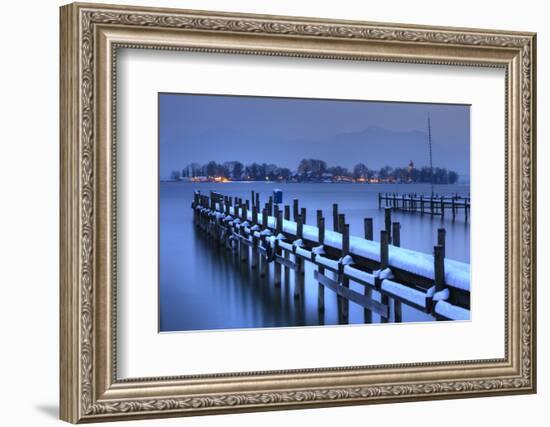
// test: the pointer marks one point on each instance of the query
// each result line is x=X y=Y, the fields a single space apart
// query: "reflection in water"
x=205 y=286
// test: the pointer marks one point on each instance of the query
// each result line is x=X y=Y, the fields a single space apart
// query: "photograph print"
x=300 y=212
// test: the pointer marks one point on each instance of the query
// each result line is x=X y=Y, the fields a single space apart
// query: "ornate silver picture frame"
x=91 y=36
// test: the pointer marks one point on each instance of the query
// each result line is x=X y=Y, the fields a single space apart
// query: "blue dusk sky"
x=200 y=128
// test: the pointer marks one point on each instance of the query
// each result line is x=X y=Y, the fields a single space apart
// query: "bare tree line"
x=314 y=170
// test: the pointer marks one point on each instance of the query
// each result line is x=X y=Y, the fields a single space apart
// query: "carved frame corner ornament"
x=90 y=36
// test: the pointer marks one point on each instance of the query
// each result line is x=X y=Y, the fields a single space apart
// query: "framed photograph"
x=266 y=212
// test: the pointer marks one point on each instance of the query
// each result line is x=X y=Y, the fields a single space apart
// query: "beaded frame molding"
x=90 y=37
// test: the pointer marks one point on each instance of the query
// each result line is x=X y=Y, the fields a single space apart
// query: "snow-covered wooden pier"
x=429 y=205
x=390 y=275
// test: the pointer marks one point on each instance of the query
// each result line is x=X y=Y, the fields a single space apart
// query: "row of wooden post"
x=389 y=235
x=432 y=205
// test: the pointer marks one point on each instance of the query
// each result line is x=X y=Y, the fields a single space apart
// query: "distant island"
x=314 y=171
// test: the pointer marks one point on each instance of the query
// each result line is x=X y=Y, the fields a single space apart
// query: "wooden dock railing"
x=429 y=283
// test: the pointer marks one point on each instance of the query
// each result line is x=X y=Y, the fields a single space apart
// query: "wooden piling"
x=230 y=242
x=195 y=199
x=396 y=234
x=335 y=216
x=341 y=222
x=303 y=215
x=319 y=215
x=368 y=228
x=345 y=279
x=255 y=254
x=295 y=212
x=286 y=254
x=398 y=311
x=265 y=265
x=279 y=223
x=453 y=207
x=207 y=218
x=439 y=268
x=265 y=218
x=244 y=210
x=277 y=266
x=243 y=246
x=384 y=262
x=441 y=232
x=254 y=251
x=321 y=269
x=387 y=219
x=384 y=252
x=196 y=203
x=217 y=230
x=258 y=200
x=212 y=201
x=299 y=264
x=254 y=215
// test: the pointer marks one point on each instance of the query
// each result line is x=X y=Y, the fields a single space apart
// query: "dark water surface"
x=203 y=286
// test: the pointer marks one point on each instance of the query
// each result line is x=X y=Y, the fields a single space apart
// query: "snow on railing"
x=424 y=281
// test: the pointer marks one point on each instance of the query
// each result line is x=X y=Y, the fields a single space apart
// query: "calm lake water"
x=203 y=286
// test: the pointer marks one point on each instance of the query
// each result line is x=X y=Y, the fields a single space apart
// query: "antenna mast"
x=431 y=161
